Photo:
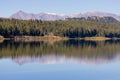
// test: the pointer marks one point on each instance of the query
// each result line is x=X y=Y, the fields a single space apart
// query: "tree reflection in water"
x=76 y=50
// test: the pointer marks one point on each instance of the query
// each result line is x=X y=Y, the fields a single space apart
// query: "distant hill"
x=54 y=16
x=97 y=19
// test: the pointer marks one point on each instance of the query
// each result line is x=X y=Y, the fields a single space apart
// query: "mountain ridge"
x=40 y=16
x=54 y=16
x=96 y=19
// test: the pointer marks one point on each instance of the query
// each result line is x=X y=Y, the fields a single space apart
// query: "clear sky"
x=8 y=7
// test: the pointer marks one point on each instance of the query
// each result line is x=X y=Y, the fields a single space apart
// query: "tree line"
x=64 y=28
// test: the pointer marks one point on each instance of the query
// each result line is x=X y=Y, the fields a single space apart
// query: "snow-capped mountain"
x=41 y=16
x=54 y=16
x=96 y=13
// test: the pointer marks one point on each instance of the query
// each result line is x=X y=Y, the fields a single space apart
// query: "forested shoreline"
x=63 y=28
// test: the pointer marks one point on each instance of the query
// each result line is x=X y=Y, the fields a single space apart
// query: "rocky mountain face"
x=53 y=16
x=41 y=16
x=97 y=19
x=96 y=13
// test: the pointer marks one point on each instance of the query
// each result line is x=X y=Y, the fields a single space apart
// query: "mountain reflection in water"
x=79 y=51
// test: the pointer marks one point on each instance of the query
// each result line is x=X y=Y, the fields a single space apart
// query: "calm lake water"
x=64 y=60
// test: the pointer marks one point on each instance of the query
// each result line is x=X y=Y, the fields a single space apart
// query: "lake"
x=63 y=60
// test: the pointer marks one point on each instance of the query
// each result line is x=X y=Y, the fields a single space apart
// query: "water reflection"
x=80 y=51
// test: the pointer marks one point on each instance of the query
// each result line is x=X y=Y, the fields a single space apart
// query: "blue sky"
x=8 y=7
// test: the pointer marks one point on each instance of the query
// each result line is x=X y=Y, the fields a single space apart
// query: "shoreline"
x=96 y=38
x=55 y=38
x=40 y=38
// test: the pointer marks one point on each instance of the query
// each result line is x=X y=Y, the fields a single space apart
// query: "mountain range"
x=96 y=19
x=54 y=16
